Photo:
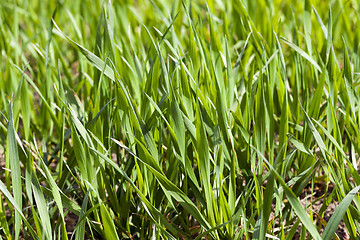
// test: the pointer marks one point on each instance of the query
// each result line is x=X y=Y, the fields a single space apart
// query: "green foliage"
x=178 y=119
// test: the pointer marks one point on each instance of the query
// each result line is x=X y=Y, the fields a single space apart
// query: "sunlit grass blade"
x=178 y=120
x=295 y=203
x=12 y=157
x=169 y=186
x=109 y=227
x=337 y=216
x=41 y=207
x=93 y=59
x=152 y=210
x=7 y=194
x=303 y=54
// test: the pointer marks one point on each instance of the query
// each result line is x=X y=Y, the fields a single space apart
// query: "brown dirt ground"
x=319 y=188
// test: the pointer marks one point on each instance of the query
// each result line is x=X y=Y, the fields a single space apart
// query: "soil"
x=70 y=221
x=320 y=196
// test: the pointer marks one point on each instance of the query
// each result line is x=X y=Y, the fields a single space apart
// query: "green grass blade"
x=109 y=227
x=174 y=191
x=7 y=194
x=302 y=53
x=13 y=157
x=41 y=207
x=338 y=215
x=295 y=203
x=92 y=58
x=307 y=25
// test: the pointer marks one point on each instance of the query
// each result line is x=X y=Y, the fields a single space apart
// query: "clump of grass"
x=178 y=120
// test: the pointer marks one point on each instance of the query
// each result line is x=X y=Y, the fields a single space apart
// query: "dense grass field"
x=233 y=119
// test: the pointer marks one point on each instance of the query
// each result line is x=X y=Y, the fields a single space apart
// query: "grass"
x=178 y=119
